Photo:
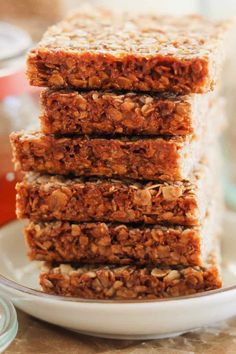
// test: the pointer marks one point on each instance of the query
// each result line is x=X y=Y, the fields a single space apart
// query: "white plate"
x=116 y=319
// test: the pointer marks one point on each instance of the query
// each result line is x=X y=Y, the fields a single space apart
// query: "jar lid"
x=14 y=43
x=8 y=323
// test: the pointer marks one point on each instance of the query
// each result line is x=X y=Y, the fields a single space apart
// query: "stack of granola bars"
x=121 y=184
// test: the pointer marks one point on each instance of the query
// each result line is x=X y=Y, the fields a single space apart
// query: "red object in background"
x=17 y=109
x=7 y=198
x=11 y=85
x=7 y=181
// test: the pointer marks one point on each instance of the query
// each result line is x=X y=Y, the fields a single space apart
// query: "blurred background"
x=22 y=23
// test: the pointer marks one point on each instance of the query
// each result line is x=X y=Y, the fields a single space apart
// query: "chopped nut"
x=124 y=82
x=57 y=199
x=148 y=100
x=77 y=82
x=143 y=197
x=56 y=80
x=91 y=274
x=159 y=273
x=48 y=283
x=94 y=81
x=172 y=275
x=115 y=114
x=118 y=284
x=128 y=106
x=75 y=230
x=65 y=268
x=95 y=96
x=110 y=292
x=45 y=268
x=171 y=192
x=147 y=109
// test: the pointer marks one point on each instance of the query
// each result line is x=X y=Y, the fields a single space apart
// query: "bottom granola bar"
x=128 y=282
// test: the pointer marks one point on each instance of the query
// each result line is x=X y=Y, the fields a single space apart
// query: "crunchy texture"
x=149 y=159
x=97 y=112
x=128 y=282
x=44 y=197
x=102 y=50
x=103 y=243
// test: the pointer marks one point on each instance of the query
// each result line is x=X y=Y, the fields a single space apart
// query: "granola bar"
x=96 y=112
x=101 y=50
x=44 y=197
x=102 y=243
x=129 y=282
x=166 y=159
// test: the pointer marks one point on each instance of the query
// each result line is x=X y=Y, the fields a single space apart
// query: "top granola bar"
x=100 y=50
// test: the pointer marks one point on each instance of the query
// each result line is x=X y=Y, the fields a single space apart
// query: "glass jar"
x=18 y=108
x=8 y=324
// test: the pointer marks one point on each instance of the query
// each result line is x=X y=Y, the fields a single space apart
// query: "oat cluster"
x=111 y=113
x=147 y=53
x=49 y=198
x=127 y=282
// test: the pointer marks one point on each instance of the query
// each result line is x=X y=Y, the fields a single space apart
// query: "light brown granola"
x=99 y=112
x=161 y=158
x=44 y=197
x=128 y=282
x=98 y=49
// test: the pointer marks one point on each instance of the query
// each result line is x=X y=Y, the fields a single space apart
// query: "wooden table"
x=36 y=337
